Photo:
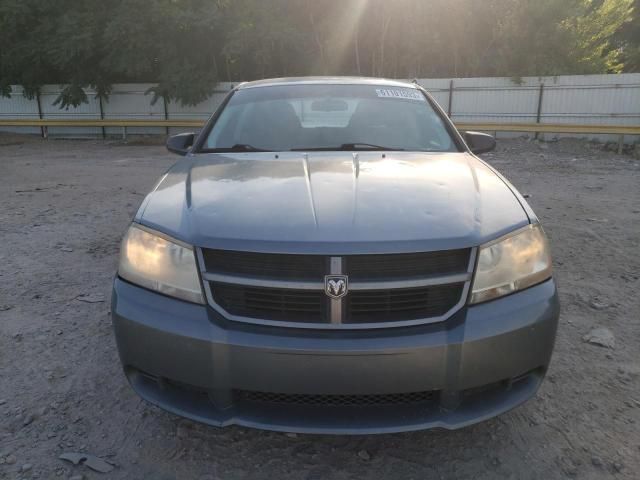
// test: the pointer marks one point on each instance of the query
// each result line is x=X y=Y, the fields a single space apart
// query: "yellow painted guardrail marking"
x=551 y=128
x=21 y=122
x=487 y=127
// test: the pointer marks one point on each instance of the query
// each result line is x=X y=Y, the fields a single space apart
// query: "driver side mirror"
x=479 y=142
x=181 y=143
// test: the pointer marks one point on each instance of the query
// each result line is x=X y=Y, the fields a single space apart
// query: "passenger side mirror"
x=180 y=143
x=479 y=142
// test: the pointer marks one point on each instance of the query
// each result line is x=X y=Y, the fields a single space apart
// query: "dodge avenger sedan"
x=330 y=256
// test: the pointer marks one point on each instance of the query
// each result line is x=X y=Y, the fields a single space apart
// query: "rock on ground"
x=600 y=336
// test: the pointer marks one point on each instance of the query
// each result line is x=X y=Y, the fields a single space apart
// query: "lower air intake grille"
x=378 y=400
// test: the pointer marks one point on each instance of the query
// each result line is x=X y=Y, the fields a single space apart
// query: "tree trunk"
x=385 y=28
x=357 y=50
x=226 y=62
x=318 y=41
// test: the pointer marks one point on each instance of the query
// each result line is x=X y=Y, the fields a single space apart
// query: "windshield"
x=328 y=117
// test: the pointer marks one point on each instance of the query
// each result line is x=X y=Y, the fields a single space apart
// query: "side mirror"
x=180 y=143
x=479 y=142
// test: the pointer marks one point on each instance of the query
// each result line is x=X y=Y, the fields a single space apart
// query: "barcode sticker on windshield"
x=404 y=93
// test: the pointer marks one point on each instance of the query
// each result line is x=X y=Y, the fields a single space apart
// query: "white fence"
x=575 y=99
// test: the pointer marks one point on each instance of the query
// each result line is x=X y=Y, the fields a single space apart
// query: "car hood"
x=333 y=202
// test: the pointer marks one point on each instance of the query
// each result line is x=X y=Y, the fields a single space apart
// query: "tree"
x=626 y=40
x=96 y=43
x=596 y=29
x=185 y=47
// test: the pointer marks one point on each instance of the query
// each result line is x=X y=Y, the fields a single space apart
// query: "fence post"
x=104 y=133
x=450 y=98
x=43 y=129
x=539 y=112
x=620 y=144
x=166 y=112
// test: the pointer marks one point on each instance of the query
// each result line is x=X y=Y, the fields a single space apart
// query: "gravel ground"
x=65 y=205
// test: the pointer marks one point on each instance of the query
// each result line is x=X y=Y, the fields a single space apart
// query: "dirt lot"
x=65 y=205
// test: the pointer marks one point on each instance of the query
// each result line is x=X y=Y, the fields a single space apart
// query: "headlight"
x=158 y=263
x=512 y=263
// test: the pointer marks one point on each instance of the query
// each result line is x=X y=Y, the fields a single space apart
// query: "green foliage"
x=186 y=47
x=596 y=30
x=625 y=42
x=71 y=96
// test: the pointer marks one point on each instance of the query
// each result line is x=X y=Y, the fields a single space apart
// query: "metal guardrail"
x=620 y=130
x=551 y=128
x=489 y=127
x=23 y=122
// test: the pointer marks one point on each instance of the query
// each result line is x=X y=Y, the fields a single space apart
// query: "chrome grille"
x=384 y=290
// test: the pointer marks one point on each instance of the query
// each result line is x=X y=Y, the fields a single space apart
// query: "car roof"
x=382 y=82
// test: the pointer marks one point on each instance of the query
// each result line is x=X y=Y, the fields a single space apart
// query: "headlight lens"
x=155 y=262
x=511 y=264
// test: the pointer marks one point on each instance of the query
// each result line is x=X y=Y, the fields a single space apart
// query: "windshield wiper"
x=348 y=147
x=365 y=146
x=238 y=147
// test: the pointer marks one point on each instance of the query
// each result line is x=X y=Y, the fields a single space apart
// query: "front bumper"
x=187 y=359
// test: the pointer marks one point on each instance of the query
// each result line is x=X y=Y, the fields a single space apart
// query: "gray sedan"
x=330 y=256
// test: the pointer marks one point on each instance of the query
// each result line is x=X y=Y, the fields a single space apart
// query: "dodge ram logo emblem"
x=336 y=286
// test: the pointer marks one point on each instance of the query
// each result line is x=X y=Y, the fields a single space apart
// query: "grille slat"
x=282 y=302
x=397 y=298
